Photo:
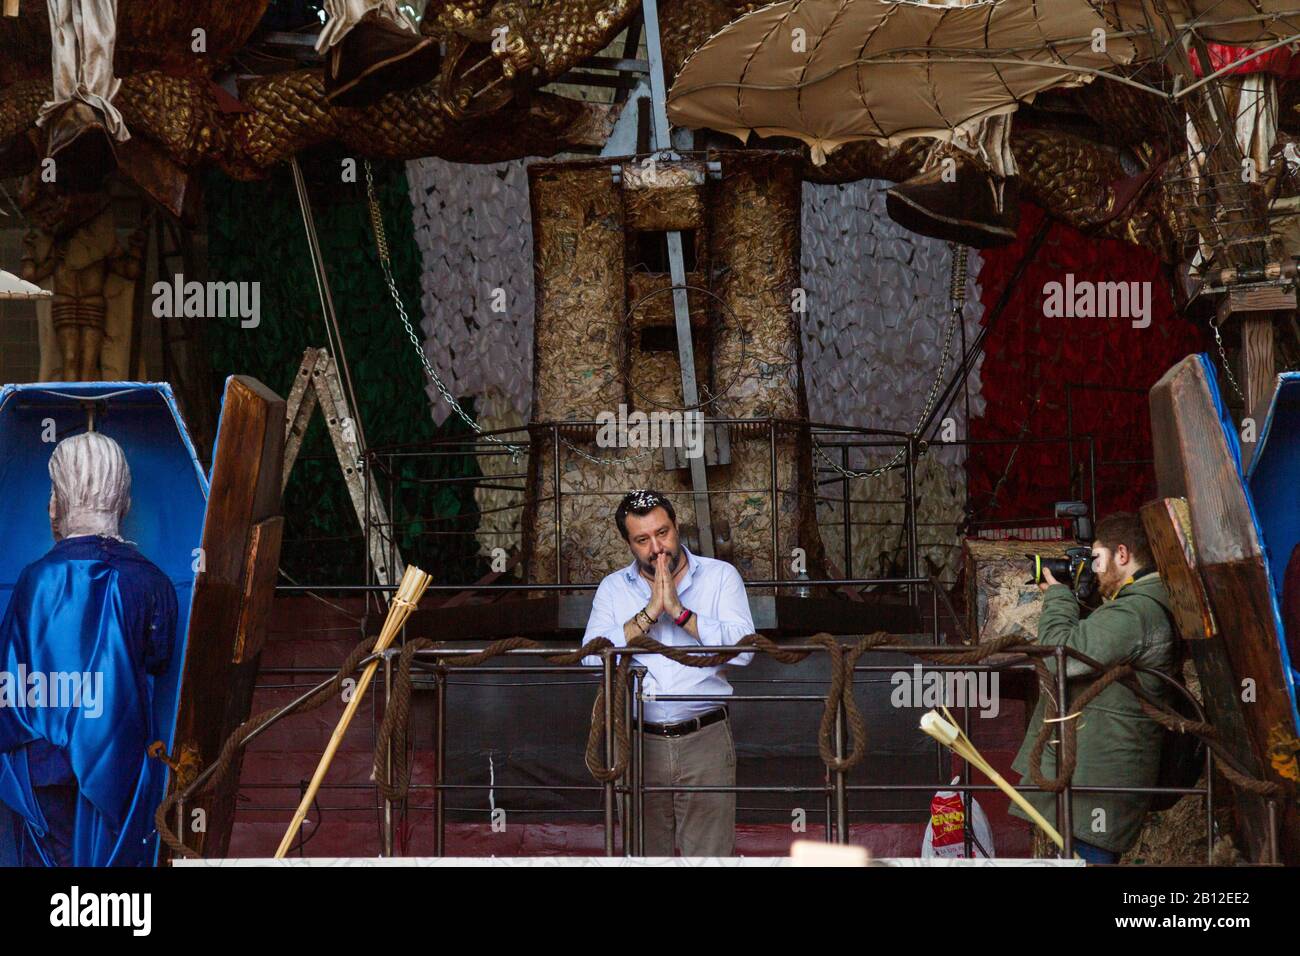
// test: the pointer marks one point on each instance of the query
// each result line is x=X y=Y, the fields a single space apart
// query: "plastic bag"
x=945 y=834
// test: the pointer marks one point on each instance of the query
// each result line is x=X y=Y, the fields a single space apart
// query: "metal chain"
x=385 y=263
x=606 y=461
x=1227 y=369
x=957 y=302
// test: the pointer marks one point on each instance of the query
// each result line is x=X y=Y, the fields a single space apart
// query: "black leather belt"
x=684 y=727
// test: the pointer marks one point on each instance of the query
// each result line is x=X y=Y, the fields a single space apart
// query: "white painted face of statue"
x=90 y=487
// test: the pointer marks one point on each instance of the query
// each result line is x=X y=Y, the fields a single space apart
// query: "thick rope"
x=393 y=734
x=1066 y=725
x=235 y=742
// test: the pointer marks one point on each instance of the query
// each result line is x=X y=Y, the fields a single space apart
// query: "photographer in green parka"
x=1117 y=745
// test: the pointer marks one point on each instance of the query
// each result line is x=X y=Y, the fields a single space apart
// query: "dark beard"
x=1110 y=583
x=648 y=567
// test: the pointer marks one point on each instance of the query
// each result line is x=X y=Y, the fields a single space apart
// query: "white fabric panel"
x=474 y=232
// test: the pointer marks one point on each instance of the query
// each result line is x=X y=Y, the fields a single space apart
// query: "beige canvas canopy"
x=1235 y=21
x=833 y=71
x=12 y=287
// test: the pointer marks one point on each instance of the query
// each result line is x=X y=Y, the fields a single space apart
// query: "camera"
x=1074 y=570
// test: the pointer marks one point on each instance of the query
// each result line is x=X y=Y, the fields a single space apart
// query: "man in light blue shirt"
x=683 y=600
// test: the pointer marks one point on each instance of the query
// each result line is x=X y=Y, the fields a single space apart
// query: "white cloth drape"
x=343 y=15
x=1253 y=97
x=1255 y=123
x=82 y=37
x=989 y=139
x=472 y=227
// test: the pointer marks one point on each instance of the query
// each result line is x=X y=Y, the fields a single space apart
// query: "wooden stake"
x=950 y=735
x=11 y=8
x=414 y=581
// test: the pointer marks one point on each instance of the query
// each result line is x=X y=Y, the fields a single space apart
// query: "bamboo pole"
x=414 y=581
x=950 y=735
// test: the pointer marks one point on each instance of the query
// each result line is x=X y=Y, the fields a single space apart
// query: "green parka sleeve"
x=1110 y=635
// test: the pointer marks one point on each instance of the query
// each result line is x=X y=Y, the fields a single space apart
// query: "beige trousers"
x=699 y=824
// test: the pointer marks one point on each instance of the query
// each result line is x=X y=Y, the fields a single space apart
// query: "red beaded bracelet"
x=683 y=617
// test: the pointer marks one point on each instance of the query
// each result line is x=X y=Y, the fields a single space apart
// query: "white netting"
x=877 y=300
x=472 y=228
x=873 y=337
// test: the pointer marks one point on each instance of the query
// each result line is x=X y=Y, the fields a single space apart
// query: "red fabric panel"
x=1291 y=604
x=1280 y=62
x=1029 y=359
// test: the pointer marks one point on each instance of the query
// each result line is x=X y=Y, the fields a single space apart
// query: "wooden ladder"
x=317 y=383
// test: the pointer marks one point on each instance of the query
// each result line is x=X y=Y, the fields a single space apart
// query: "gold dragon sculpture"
x=487 y=104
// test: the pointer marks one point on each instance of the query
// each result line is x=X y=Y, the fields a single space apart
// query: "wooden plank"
x=1258 y=362
x=261 y=568
x=1168 y=525
x=216 y=692
x=1193 y=461
x=1262 y=297
x=1245 y=655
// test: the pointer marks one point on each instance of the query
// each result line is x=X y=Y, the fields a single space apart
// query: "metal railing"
x=832 y=447
x=628 y=794
x=631 y=792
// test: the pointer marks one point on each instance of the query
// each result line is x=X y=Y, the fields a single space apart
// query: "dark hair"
x=1124 y=527
x=641 y=503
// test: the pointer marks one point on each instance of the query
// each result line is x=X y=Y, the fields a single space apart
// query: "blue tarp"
x=1272 y=489
x=168 y=491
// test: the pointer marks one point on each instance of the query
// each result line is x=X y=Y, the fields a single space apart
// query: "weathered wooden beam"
x=1257 y=307
x=1258 y=362
x=1240 y=669
x=261 y=569
x=221 y=660
x=1168 y=525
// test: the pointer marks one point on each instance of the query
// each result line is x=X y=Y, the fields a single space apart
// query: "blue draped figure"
x=88 y=627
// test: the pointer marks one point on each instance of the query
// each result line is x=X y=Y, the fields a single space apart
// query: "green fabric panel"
x=256 y=234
